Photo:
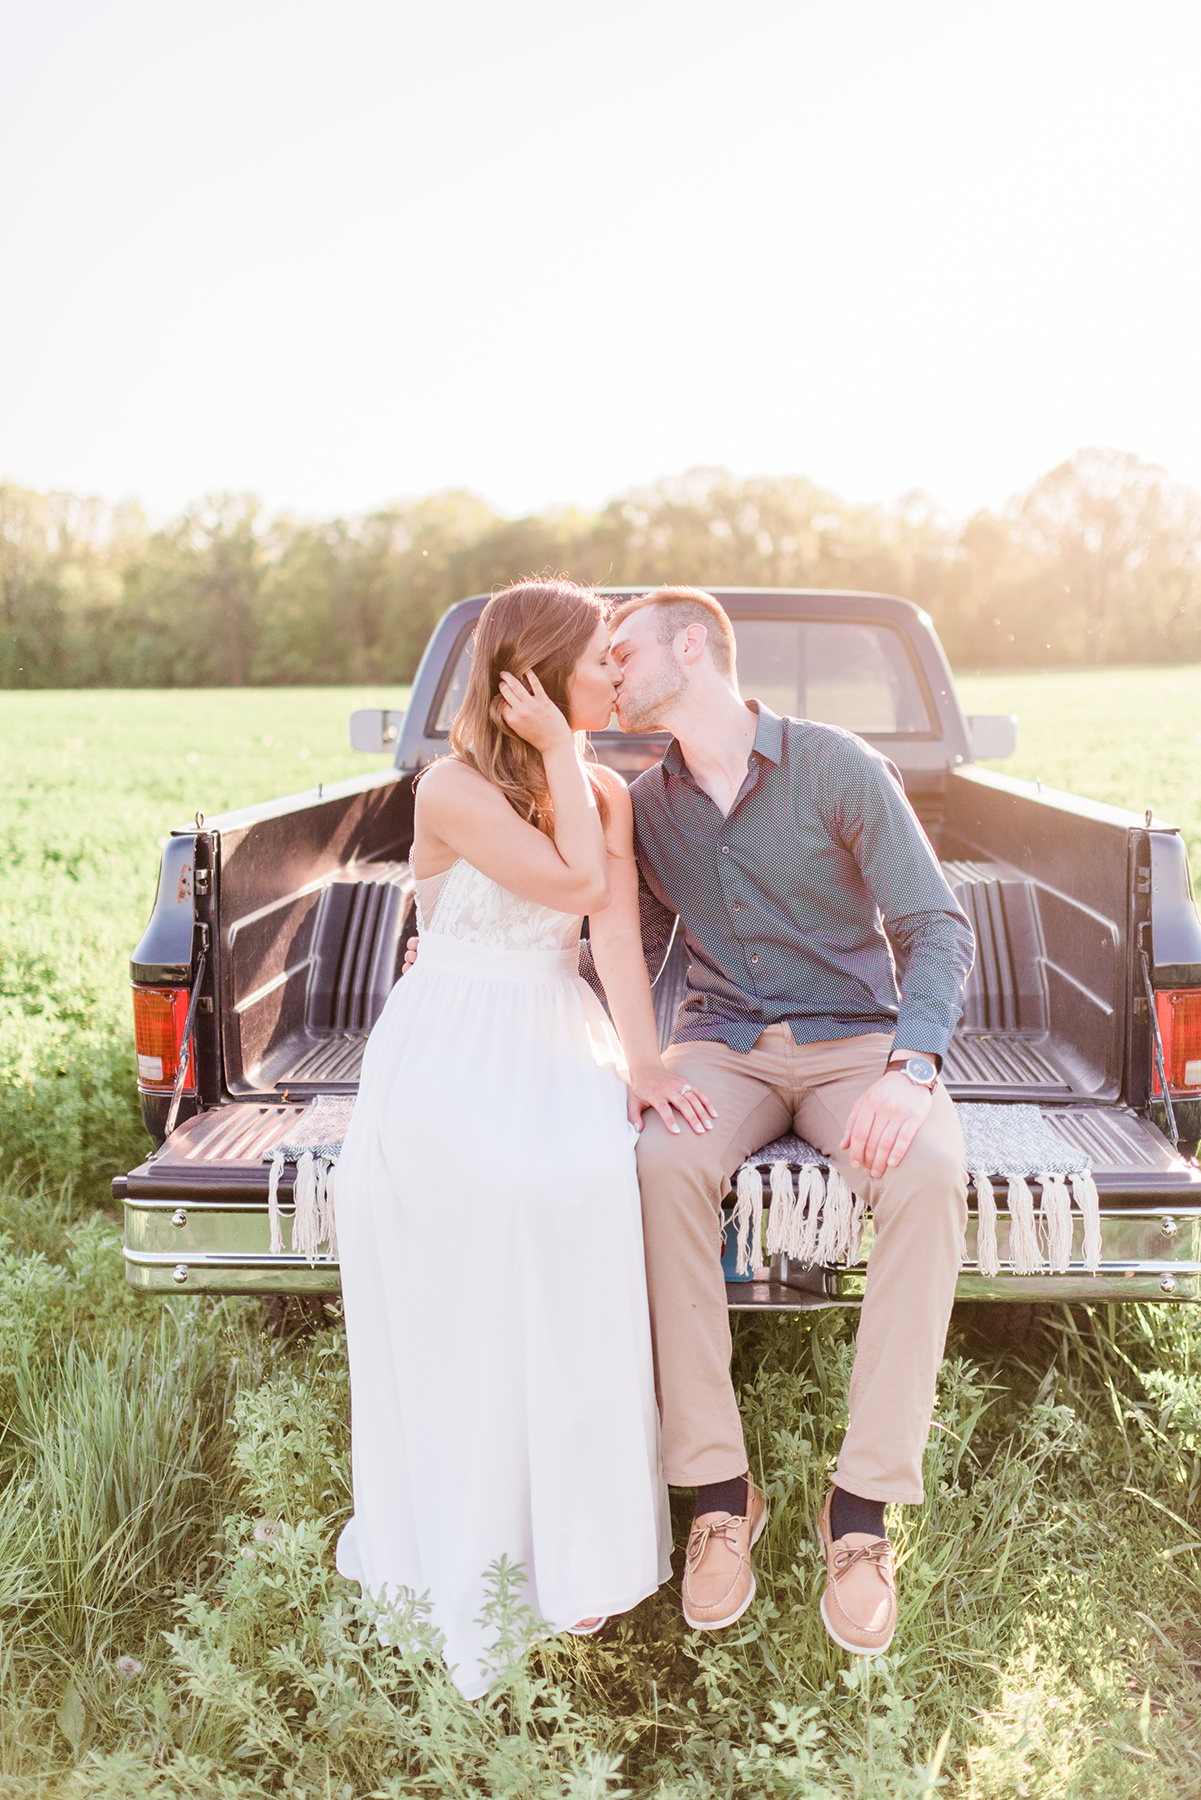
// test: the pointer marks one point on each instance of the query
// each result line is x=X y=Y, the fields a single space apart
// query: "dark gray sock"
x=849 y=1513
x=722 y=1496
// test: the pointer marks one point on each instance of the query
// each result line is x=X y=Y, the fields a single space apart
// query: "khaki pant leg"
x=682 y=1178
x=919 y=1211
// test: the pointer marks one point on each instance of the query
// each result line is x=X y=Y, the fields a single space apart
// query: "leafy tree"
x=1114 y=547
x=1099 y=561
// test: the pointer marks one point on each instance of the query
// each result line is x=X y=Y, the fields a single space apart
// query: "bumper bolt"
x=1167 y=1284
x=179 y=1274
x=179 y=1218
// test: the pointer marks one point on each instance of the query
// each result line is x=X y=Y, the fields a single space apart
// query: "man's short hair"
x=678 y=607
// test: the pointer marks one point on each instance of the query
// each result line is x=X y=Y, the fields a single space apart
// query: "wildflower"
x=128 y=1667
x=266 y=1531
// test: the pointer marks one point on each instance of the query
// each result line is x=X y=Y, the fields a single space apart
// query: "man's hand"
x=884 y=1121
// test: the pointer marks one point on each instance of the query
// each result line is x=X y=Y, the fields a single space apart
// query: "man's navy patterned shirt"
x=793 y=903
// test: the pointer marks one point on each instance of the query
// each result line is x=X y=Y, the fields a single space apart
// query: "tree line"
x=1098 y=562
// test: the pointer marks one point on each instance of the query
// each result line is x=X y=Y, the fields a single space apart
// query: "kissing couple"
x=529 y=1196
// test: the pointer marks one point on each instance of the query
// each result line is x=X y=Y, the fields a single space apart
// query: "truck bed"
x=1003 y=1050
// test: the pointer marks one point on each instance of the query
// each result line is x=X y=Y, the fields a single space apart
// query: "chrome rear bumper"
x=222 y=1247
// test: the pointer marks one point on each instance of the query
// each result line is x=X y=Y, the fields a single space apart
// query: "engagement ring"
x=686 y=1089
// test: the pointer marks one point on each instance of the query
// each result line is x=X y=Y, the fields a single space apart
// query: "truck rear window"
x=855 y=675
x=836 y=671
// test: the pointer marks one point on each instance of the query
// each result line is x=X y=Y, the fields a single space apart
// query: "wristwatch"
x=921 y=1070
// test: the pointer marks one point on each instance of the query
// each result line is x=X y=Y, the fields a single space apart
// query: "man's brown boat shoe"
x=859 y=1606
x=719 y=1582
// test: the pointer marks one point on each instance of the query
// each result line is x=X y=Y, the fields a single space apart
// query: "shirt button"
x=737 y=904
x=725 y=849
x=754 y=959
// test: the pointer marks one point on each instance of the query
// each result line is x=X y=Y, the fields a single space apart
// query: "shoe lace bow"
x=725 y=1529
x=879 y=1554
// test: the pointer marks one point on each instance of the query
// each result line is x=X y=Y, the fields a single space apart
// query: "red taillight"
x=159 y=1016
x=1179 y=1014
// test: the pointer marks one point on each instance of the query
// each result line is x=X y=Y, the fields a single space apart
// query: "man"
x=794 y=861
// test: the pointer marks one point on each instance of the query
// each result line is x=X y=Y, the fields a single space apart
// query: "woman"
x=488 y=1216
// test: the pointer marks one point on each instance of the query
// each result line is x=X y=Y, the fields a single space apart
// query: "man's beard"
x=644 y=711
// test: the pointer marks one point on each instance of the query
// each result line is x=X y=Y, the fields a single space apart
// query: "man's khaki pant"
x=919 y=1211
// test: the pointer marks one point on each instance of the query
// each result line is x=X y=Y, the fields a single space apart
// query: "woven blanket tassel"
x=811 y=1195
x=988 y=1256
x=321 y=1167
x=330 y=1223
x=304 y=1218
x=783 y=1205
x=836 y=1221
x=1055 y=1214
x=1084 y=1190
x=1025 y=1257
x=276 y=1223
x=748 y=1217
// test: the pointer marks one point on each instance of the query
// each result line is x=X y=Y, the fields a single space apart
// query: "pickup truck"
x=278 y=931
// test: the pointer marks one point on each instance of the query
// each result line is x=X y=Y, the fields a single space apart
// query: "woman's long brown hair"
x=539 y=624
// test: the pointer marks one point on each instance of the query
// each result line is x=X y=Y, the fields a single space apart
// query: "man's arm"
x=866 y=809
x=930 y=933
x=657 y=922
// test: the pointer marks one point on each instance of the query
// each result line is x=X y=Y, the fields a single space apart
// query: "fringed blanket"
x=313 y=1144
x=816 y=1219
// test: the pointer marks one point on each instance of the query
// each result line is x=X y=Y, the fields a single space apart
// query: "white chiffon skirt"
x=490 y=1241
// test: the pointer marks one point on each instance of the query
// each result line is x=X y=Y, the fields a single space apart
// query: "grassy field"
x=171 y=1478
x=1129 y=736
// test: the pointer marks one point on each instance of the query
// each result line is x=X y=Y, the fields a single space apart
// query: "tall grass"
x=172 y=1480
x=103 y=1492
x=172 y=1496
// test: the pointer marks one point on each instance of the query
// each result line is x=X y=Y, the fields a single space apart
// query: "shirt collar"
x=769 y=740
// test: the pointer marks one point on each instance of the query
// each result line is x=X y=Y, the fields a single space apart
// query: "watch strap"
x=902 y=1063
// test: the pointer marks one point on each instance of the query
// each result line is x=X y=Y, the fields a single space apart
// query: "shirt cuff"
x=923 y=1035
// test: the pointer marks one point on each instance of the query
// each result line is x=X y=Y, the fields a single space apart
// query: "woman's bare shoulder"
x=619 y=833
x=450 y=773
x=609 y=778
x=612 y=784
x=451 y=783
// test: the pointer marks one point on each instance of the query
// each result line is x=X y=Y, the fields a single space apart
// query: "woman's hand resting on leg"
x=668 y=1094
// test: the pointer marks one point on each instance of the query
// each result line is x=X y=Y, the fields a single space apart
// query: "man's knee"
x=932 y=1172
x=676 y=1168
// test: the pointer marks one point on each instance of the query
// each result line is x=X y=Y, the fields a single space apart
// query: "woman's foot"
x=588 y=1627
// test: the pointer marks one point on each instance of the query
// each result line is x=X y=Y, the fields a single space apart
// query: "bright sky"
x=341 y=251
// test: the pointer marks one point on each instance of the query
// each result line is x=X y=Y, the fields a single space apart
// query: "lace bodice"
x=471 y=906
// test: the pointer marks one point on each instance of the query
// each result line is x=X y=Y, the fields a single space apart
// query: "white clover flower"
x=128 y=1667
x=267 y=1530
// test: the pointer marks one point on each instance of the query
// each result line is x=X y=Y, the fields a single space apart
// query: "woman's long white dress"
x=490 y=1242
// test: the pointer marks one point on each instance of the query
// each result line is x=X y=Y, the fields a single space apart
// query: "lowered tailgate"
x=196 y=1218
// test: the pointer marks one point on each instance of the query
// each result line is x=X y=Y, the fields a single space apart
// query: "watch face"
x=920 y=1068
